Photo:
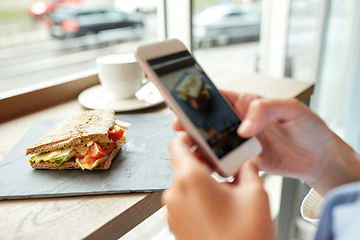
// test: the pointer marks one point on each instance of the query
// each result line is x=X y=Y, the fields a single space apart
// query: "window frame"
x=28 y=100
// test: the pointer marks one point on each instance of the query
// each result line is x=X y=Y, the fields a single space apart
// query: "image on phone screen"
x=200 y=100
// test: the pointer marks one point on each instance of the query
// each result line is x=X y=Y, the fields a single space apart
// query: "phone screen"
x=200 y=101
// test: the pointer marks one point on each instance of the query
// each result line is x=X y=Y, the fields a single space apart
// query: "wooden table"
x=104 y=216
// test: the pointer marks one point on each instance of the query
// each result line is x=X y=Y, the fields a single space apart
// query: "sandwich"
x=89 y=140
x=193 y=90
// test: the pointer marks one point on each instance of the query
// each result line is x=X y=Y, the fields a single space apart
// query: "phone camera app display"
x=200 y=100
x=192 y=89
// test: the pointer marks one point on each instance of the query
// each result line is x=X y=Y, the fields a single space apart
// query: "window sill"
x=24 y=101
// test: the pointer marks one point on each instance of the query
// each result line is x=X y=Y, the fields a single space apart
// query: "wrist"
x=341 y=167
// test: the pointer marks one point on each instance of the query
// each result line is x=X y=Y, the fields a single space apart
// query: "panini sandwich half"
x=89 y=140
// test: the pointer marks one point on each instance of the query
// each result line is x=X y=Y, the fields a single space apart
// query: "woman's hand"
x=296 y=142
x=201 y=208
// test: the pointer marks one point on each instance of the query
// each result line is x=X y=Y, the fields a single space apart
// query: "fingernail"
x=245 y=126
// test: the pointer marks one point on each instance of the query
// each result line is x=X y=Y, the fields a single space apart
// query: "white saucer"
x=97 y=97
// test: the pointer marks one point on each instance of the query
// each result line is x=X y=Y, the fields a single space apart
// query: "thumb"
x=249 y=173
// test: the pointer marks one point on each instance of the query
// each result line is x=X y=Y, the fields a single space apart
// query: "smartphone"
x=202 y=110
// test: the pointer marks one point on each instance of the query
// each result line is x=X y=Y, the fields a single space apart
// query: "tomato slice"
x=87 y=160
x=111 y=147
x=96 y=151
x=116 y=135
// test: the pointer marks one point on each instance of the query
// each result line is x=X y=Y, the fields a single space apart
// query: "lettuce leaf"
x=60 y=160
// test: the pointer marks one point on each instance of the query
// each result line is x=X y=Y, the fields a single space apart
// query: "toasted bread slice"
x=90 y=125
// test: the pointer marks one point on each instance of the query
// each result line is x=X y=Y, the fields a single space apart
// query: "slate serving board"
x=142 y=165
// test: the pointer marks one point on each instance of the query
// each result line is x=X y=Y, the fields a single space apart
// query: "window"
x=228 y=30
x=303 y=29
x=45 y=40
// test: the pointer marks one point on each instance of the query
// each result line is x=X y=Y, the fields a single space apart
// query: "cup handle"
x=144 y=81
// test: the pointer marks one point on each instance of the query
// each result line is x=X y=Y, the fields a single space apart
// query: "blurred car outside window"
x=222 y=24
x=40 y=9
x=45 y=40
x=80 y=20
x=226 y=36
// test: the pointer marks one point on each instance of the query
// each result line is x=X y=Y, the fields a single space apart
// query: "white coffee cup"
x=120 y=73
